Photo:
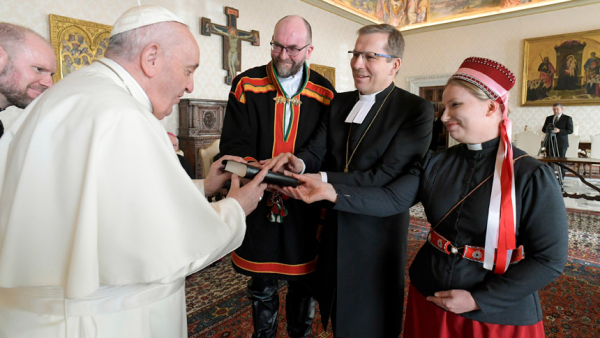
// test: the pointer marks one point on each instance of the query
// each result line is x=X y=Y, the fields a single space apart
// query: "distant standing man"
x=368 y=137
x=27 y=63
x=561 y=125
x=275 y=109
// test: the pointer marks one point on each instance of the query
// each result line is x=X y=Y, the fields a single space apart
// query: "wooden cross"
x=232 y=41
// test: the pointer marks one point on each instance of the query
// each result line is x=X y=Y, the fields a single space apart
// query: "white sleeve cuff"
x=303 y=166
x=323 y=176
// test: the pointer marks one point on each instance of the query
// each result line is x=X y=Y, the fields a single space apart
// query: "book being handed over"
x=248 y=171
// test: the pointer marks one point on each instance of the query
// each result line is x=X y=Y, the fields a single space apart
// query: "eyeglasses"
x=370 y=56
x=291 y=51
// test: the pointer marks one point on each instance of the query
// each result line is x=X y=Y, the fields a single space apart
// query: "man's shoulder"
x=406 y=95
x=92 y=89
x=346 y=95
x=319 y=79
x=256 y=72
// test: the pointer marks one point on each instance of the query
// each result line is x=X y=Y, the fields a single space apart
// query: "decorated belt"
x=474 y=253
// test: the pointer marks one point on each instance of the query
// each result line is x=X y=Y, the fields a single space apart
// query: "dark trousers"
x=300 y=307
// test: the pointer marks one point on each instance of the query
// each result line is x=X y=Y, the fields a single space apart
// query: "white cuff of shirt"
x=323 y=176
x=303 y=166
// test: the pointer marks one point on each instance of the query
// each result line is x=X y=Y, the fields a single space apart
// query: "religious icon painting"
x=76 y=43
x=562 y=68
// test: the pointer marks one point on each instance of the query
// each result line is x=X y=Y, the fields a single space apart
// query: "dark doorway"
x=439 y=137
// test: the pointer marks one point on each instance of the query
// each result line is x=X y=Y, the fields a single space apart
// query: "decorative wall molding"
x=414 y=83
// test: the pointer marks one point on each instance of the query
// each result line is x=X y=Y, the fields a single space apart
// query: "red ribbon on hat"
x=506 y=234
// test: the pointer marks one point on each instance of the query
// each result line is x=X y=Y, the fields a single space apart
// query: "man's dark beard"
x=282 y=72
x=14 y=96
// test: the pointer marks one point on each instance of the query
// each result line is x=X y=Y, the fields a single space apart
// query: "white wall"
x=430 y=53
x=333 y=36
x=442 y=51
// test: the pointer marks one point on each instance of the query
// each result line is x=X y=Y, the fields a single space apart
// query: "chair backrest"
x=573 y=150
x=595 y=140
x=207 y=155
x=528 y=141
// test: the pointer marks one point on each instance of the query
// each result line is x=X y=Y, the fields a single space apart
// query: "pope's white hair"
x=128 y=45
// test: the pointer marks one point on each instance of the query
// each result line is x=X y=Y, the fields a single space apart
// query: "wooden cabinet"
x=200 y=124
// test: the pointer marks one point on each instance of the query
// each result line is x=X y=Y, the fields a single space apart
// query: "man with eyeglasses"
x=368 y=137
x=275 y=109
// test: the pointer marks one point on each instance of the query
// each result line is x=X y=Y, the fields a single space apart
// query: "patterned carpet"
x=217 y=306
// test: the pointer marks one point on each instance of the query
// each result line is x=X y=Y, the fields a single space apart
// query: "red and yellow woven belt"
x=474 y=253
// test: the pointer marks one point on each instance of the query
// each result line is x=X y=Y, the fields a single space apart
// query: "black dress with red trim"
x=280 y=239
x=439 y=182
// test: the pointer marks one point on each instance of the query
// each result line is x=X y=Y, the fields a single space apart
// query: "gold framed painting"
x=327 y=72
x=562 y=68
x=76 y=43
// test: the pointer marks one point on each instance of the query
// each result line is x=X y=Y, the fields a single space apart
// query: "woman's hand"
x=457 y=301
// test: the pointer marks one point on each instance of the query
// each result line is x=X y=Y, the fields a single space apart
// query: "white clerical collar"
x=291 y=84
x=127 y=80
x=361 y=108
x=475 y=146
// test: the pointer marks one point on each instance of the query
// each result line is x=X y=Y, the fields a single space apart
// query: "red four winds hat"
x=495 y=80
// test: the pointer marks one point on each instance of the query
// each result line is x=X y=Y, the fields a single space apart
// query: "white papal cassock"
x=99 y=224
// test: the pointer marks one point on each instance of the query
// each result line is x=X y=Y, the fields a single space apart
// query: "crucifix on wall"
x=232 y=41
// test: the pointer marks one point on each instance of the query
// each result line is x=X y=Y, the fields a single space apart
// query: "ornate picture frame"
x=562 y=68
x=76 y=43
x=327 y=72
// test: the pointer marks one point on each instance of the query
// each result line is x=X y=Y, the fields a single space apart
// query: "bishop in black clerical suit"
x=362 y=258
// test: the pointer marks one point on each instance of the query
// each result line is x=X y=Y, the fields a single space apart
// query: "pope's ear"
x=3 y=59
x=149 y=58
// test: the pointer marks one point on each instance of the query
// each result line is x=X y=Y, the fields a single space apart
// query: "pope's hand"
x=217 y=176
x=250 y=194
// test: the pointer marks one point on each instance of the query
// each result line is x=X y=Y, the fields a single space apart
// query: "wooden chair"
x=207 y=155
x=595 y=152
x=573 y=150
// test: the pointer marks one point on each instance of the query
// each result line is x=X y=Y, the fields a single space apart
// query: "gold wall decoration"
x=327 y=72
x=562 y=68
x=76 y=43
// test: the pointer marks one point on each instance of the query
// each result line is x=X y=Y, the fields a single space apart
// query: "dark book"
x=247 y=171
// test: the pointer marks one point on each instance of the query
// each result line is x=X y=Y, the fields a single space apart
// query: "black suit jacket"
x=565 y=124
x=360 y=255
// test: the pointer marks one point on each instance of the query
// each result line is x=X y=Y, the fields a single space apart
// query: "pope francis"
x=99 y=224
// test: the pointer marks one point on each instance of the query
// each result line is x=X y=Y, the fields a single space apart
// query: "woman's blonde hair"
x=476 y=91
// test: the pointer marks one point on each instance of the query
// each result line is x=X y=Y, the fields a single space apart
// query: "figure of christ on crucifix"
x=232 y=41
